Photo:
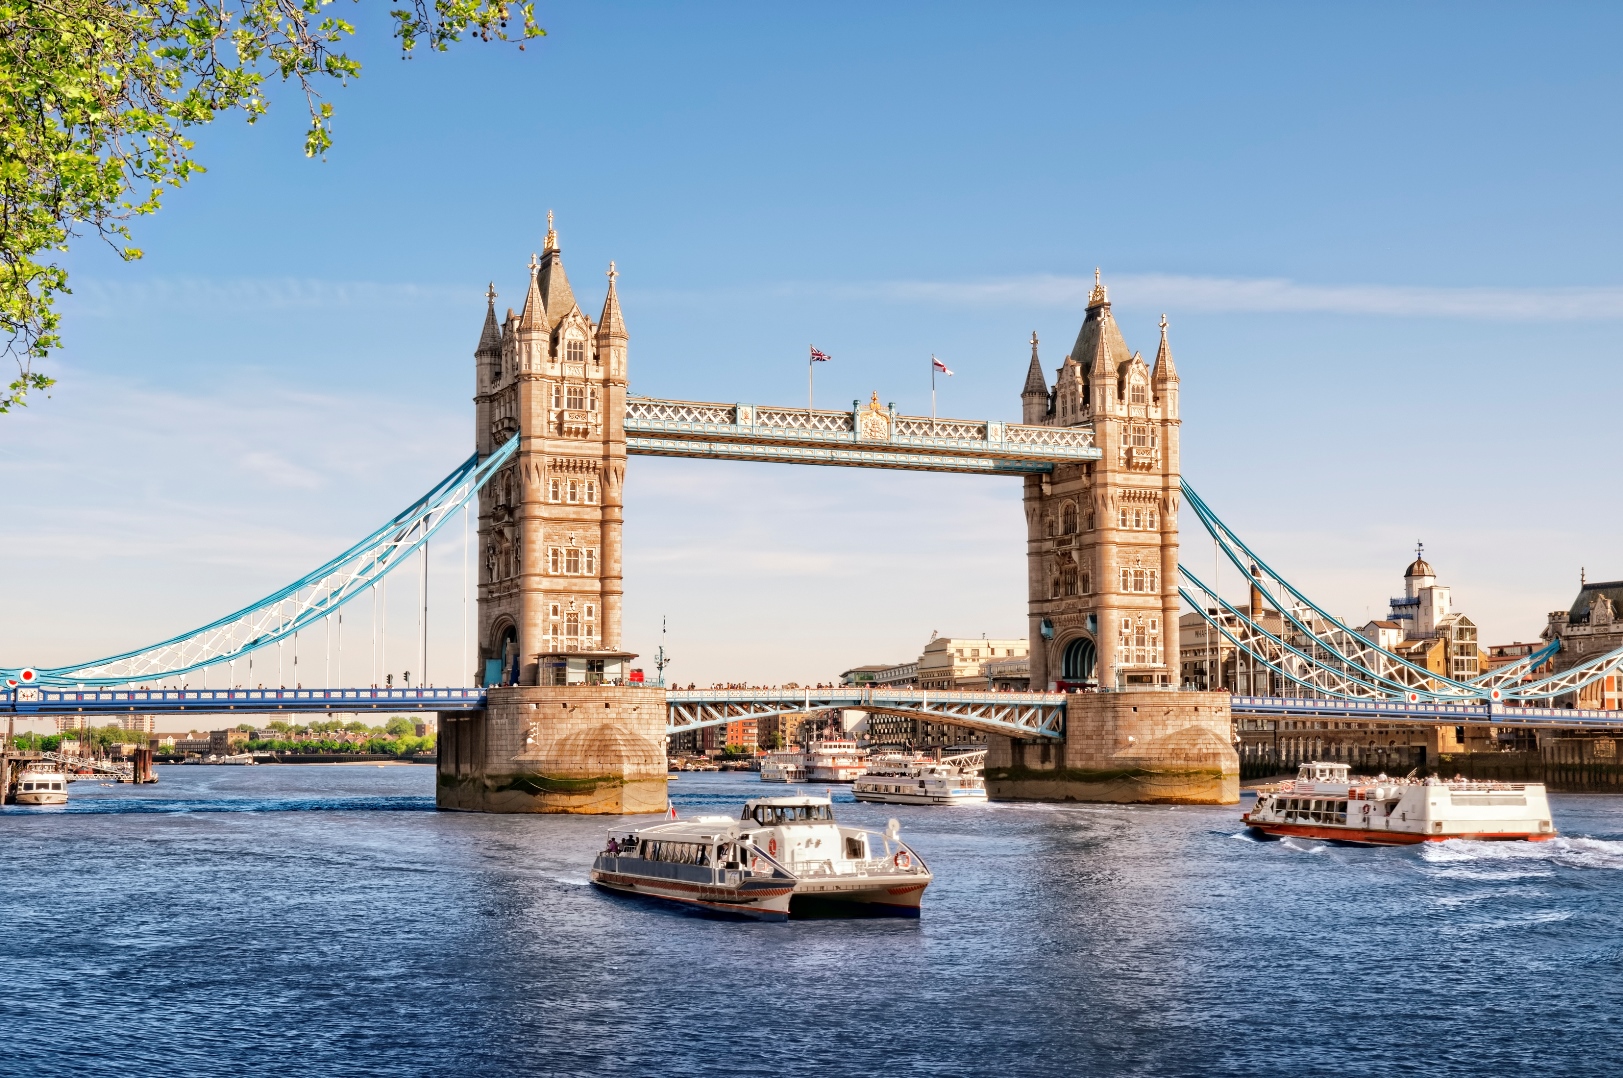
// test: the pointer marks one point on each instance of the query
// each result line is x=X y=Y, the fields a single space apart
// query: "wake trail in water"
x=1562 y=851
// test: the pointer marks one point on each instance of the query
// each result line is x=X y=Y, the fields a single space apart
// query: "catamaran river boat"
x=783 y=857
x=835 y=760
x=920 y=780
x=1325 y=803
x=783 y=765
x=41 y=785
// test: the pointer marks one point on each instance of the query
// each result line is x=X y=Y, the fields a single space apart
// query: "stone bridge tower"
x=1102 y=563
x=1102 y=538
x=565 y=731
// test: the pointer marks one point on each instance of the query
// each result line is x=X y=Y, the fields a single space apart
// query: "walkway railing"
x=215 y=701
x=1429 y=714
x=864 y=437
x=1017 y=714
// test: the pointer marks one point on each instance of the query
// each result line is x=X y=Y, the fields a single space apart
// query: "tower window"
x=572 y=561
x=1122 y=520
x=591 y=398
x=572 y=624
x=1087 y=583
x=591 y=561
x=555 y=490
x=575 y=351
x=572 y=494
x=1138 y=393
x=1067 y=518
x=555 y=562
x=577 y=398
x=557 y=396
x=590 y=491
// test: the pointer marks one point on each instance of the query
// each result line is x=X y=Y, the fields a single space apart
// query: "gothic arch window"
x=1068 y=581
x=555 y=560
x=1122 y=519
x=591 y=492
x=572 y=625
x=1087 y=583
x=1067 y=518
x=572 y=491
x=575 y=351
x=1078 y=661
x=572 y=561
x=557 y=396
x=575 y=397
x=1053 y=587
x=555 y=490
x=1138 y=395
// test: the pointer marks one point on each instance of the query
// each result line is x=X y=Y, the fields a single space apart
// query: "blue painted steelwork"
x=871 y=437
x=226 y=701
x=1426 y=714
x=1017 y=714
x=307 y=600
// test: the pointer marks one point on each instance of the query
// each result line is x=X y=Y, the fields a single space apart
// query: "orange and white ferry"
x=1325 y=803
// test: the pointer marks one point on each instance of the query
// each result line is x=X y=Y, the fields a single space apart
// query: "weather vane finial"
x=613 y=273
x=1163 y=324
x=535 y=262
x=490 y=294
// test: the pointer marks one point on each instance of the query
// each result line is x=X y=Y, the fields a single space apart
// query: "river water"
x=325 y=920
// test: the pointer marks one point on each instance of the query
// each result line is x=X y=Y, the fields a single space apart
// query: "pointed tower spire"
x=610 y=324
x=490 y=338
x=554 y=282
x=1164 y=369
x=535 y=307
x=1034 y=397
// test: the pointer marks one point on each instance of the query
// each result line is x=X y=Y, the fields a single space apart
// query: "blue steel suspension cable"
x=328 y=588
x=1218 y=530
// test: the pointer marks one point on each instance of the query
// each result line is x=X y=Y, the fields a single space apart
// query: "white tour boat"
x=835 y=760
x=783 y=857
x=783 y=765
x=1325 y=803
x=921 y=780
x=41 y=785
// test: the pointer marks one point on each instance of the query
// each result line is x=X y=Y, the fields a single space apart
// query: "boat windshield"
x=776 y=814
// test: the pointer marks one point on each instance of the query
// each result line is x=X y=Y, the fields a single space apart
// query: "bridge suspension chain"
x=311 y=598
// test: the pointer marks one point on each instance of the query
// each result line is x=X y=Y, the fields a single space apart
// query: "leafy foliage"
x=96 y=97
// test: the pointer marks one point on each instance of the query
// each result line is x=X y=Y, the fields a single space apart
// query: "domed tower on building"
x=1102 y=537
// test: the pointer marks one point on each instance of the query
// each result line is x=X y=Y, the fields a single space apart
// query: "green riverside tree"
x=96 y=97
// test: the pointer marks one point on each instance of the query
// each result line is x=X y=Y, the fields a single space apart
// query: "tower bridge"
x=552 y=721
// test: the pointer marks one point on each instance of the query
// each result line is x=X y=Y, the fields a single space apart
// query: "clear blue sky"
x=1385 y=236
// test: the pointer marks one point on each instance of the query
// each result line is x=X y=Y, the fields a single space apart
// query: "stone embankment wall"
x=578 y=748
x=1150 y=746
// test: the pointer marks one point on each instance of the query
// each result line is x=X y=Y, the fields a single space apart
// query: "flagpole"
x=811 y=365
x=932 y=394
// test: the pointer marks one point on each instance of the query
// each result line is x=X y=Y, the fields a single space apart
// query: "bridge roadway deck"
x=1019 y=714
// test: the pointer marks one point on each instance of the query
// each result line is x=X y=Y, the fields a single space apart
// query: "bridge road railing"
x=1016 y=714
x=1425 y=714
x=32 y=700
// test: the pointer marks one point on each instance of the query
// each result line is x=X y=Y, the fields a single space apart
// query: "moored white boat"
x=783 y=765
x=783 y=857
x=40 y=785
x=835 y=760
x=921 y=780
x=1324 y=802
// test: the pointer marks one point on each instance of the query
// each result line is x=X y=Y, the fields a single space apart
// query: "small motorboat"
x=783 y=857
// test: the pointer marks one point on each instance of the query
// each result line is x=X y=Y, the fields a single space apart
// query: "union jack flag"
x=818 y=357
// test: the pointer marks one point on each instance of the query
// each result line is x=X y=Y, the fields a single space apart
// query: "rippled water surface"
x=325 y=920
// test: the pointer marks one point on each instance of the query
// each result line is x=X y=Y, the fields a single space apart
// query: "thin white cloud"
x=1277 y=295
x=101 y=297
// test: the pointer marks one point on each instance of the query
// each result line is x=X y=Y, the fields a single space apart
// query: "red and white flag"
x=818 y=357
x=940 y=366
x=673 y=812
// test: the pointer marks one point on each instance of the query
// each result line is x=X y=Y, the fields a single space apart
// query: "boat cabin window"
x=681 y=853
x=777 y=814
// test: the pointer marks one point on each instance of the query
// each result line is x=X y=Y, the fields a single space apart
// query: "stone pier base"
x=566 y=748
x=1147 y=746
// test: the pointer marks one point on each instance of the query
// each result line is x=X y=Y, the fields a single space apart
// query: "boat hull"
x=976 y=797
x=1358 y=836
x=764 y=900
x=818 y=899
x=35 y=797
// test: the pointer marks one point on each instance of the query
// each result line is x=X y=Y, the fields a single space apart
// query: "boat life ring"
x=1368 y=808
x=755 y=864
x=904 y=860
x=772 y=847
